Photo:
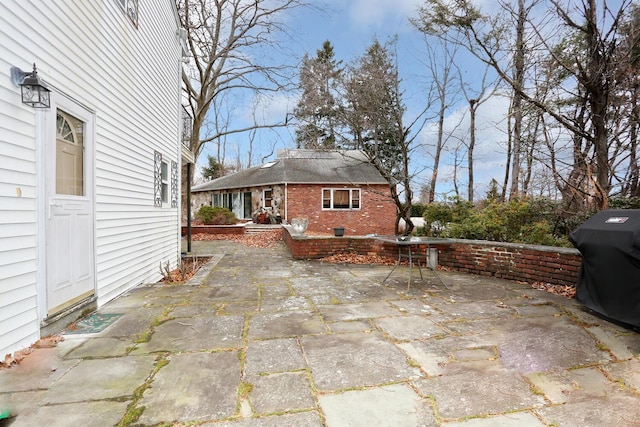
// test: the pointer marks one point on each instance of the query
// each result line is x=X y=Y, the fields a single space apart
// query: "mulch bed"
x=264 y=239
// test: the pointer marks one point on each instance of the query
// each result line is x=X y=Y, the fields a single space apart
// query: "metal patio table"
x=409 y=248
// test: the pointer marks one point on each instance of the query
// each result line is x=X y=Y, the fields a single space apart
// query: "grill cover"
x=609 y=279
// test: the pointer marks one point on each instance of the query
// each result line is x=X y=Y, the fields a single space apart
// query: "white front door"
x=69 y=206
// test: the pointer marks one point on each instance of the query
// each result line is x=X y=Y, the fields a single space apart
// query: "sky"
x=350 y=26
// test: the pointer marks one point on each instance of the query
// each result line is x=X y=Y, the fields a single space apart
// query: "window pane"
x=164 y=168
x=341 y=199
x=165 y=192
x=247 y=205
x=165 y=171
x=267 y=198
x=355 y=199
x=69 y=155
x=326 y=199
x=237 y=204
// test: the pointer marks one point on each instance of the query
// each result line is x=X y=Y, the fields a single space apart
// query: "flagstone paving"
x=257 y=339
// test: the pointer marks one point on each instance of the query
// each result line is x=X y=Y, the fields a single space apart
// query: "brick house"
x=329 y=188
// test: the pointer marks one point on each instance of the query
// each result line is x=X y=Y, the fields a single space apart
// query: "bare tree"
x=228 y=41
x=516 y=103
x=486 y=90
x=442 y=69
x=586 y=68
x=626 y=108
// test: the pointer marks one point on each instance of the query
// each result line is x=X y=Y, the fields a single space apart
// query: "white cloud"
x=377 y=13
x=489 y=152
x=272 y=108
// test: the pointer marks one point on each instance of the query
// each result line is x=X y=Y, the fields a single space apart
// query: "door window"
x=69 y=155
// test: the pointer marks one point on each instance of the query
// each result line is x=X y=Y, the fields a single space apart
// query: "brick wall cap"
x=537 y=248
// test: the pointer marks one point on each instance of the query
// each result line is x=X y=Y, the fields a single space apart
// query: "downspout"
x=188 y=208
x=286 y=203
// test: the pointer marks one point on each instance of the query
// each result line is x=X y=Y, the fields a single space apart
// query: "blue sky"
x=351 y=26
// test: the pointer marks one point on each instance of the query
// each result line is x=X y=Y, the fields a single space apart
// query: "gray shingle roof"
x=302 y=167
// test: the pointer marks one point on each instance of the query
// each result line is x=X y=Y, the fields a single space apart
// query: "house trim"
x=69 y=104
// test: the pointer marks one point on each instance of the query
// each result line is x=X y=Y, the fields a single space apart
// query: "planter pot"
x=299 y=225
x=338 y=231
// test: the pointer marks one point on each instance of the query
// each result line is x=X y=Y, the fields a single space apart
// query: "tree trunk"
x=634 y=172
x=507 y=167
x=472 y=142
x=436 y=158
x=518 y=81
x=598 y=88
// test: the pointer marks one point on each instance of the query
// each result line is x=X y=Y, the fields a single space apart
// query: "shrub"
x=471 y=227
x=505 y=221
x=438 y=216
x=520 y=220
x=216 y=215
x=418 y=209
x=540 y=233
x=437 y=212
x=624 y=202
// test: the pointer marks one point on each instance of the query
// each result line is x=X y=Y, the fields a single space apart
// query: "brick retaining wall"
x=313 y=247
x=215 y=229
x=527 y=263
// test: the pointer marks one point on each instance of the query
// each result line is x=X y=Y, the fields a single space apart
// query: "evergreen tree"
x=375 y=109
x=213 y=170
x=374 y=114
x=318 y=109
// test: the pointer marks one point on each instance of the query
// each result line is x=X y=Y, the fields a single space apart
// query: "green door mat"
x=93 y=324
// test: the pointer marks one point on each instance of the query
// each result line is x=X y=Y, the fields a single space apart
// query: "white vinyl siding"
x=19 y=325
x=130 y=231
x=130 y=78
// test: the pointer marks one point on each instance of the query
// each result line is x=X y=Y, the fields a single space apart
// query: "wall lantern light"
x=34 y=92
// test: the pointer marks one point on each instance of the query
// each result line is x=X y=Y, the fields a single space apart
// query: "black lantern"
x=34 y=92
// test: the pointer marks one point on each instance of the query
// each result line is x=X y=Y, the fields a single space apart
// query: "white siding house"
x=89 y=187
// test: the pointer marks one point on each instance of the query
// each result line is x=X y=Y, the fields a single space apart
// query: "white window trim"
x=264 y=198
x=350 y=208
x=165 y=182
x=131 y=8
x=168 y=182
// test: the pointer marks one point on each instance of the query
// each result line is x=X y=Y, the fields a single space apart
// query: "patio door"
x=69 y=230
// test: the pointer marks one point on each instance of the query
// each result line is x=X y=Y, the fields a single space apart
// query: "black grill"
x=609 y=279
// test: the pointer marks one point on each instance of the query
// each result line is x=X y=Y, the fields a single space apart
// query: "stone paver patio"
x=258 y=339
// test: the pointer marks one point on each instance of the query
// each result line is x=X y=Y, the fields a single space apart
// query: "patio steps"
x=251 y=228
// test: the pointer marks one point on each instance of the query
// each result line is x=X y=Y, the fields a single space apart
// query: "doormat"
x=93 y=324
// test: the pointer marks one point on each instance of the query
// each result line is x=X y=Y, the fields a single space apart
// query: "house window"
x=130 y=7
x=341 y=198
x=217 y=200
x=238 y=203
x=247 y=205
x=174 y=184
x=157 y=179
x=267 y=198
x=165 y=181
x=222 y=200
